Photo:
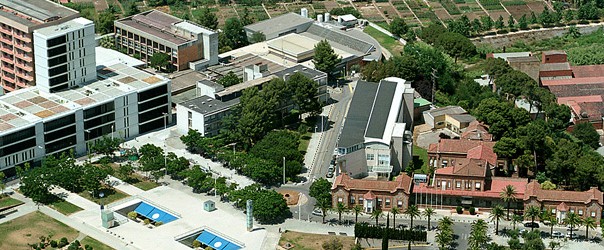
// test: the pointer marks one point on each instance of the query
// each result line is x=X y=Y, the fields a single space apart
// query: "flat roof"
x=238 y=63
x=106 y=56
x=523 y=59
x=159 y=24
x=240 y=87
x=306 y=71
x=29 y=105
x=554 y=66
x=358 y=114
x=63 y=28
x=448 y=110
x=505 y=56
x=293 y=44
x=463 y=117
x=205 y=104
x=40 y=11
x=279 y=23
x=574 y=81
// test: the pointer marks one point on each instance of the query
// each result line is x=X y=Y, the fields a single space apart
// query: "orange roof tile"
x=588 y=71
x=483 y=152
x=534 y=190
x=465 y=167
x=457 y=146
x=497 y=184
x=477 y=131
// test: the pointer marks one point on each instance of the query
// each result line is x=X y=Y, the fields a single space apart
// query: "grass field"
x=95 y=244
x=111 y=195
x=65 y=207
x=17 y=233
x=420 y=157
x=8 y=201
x=146 y=185
x=304 y=241
x=389 y=43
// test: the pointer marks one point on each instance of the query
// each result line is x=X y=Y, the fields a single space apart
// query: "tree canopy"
x=398 y=27
x=205 y=17
x=325 y=58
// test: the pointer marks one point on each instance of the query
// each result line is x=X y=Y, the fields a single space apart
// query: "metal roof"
x=41 y=10
x=207 y=105
x=283 y=22
x=358 y=114
x=380 y=110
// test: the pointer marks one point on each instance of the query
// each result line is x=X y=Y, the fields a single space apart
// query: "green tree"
x=340 y=208
x=477 y=25
x=478 y=235
x=108 y=42
x=516 y=83
x=130 y=8
x=511 y=22
x=324 y=205
x=456 y=45
x=589 y=222
x=516 y=219
x=563 y=161
x=106 y=145
x=325 y=59
x=229 y=79
x=2 y=184
x=586 y=132
x=532 y=212
x=92 y=177
x=508 y=194
x=257 y=37
x=256 y=117
x=548 y=185
x=394 y=211
x=532 y=241
x=588 y=11
x=305 y=92
x=496 y=214
x=428 y=213
x=206 y=18
x=507 y=148
x=413 y=212
x=534 y=19
x=499 y=24
x=398 y=27
x=487 y=22
x=234 y=34
x=522 y=22
x=431 y=33
x=270 y=207
x=151 y=158
x=376 y=214
x=159 y=61
x=569 y=15
x=36 y=184
x=357 y=209
x=104 y=22
x=496 y=67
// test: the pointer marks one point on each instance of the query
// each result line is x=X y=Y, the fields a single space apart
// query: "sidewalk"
x=124 y=186
x=314 y=144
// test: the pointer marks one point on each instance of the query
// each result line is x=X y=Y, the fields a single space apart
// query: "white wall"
x=182 y=120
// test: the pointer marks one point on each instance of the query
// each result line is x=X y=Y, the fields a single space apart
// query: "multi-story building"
x=54 y=118
x=372 y=194
x=65 y=55
x=153 y=31
x=18 y=20
x=376 y=137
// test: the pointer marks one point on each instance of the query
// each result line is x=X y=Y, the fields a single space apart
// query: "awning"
x=144 y=209
x=216 y=242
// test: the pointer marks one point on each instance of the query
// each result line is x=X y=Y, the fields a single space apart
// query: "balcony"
x=24 y=57
x=28 y=78
x=6 y=39
x=380 y=169
x=6 y=30
x=7 y=50
x=8 y=86
x=7 y=59
x=23 y=47
x=25 y=67
x=23 y=38
x=8 y=69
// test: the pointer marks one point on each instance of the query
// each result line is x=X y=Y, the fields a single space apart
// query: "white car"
x=574 y=235
x=557 y=234
x=317 y=212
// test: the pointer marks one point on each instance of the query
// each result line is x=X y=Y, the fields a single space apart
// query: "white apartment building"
x=65 y=55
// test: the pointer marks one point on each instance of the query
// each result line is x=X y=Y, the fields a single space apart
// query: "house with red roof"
x=560 y=203
x=372 y=194
x=443 y=153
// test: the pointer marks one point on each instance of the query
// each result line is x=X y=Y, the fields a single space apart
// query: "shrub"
x=472 y=211
x=513 y=30
x=459 y=209
x=159 y=223
x=364 y=230
x=196 y=244
x=53 y=243
x=146 y=221
x=63 y=242
x=502 y=31
x=87 y=247
x=41 y=245
x=132 y=215
x=583 y=22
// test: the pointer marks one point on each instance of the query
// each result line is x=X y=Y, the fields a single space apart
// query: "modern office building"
x=376 y=139
x=42 y=120
x=18 y=20
x=188 y=45
x=65 y=55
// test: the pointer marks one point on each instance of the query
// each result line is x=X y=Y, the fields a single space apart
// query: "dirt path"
x=395 y=9
x=265 y=10
x=482 y=7
x=381 y=13
x=413 y=12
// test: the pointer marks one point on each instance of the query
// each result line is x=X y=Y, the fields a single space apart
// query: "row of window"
x=579 y=212
x=467 y=184
x=18 y=158
x=379 y=201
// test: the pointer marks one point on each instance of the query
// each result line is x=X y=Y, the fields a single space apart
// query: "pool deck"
x=226 y=220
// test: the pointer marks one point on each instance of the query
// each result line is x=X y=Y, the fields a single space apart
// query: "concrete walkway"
x=315 y=141
x=124 y=186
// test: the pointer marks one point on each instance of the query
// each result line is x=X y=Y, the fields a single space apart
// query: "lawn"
x=305 y=241
x=27 y=229
x=8 y=201
x=95 y=244
x=65 y=207
x=136 y=180
x=304 y=141
x=389 y=43
x=145 y=185
x=420 y=158
x=111 y=195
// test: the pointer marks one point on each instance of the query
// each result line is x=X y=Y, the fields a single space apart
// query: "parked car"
x=557 y=234
x=531 y=225
x=574 y=235
x=317 y=212
x=329 y=175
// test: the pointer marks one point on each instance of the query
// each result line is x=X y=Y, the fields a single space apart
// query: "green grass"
x=304 y=141
x=111 y=195
x=65 y=207
x=95 y=244
x=420 y=157
x=146 y=185
x=16 y=234
x=389 y=43
x=8 y=201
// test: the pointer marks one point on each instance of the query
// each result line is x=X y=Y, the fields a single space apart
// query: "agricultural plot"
x=369 y=12
x=495 y=15
x=330 y=5
x=405 y=13
x=224 y=13
x=296 y=7
x=257 y=13
x=423 y=12
x=450 y=6
x=490 y=5
x=275 y=9
x=319 y=7
x=388 y=10
x=537 y=7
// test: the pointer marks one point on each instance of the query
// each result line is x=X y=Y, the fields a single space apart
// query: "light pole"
x=112 y=131
x=101 y=194
x=316 y=129
x=165 y=120
x=283 y=170
x=87 y=143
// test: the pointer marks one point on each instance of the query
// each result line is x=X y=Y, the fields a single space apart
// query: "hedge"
x=364 y=230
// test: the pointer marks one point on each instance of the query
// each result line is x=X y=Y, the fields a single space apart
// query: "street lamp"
x=165 y=120
x=101 y=194
x=316 y=129
x=112 y=132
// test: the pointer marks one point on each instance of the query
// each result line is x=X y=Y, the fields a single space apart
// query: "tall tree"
x=496 y=215
x=532 y=212
x=522 y=22
x=377 y=214
x=159 y=60
x=508 y=194
x=394 y=211
x=478 y=235
x=340 y=208
x=357 y=209
x=106 y=145
x=398 y=27
x=589 y=222
x=413 y=212
x=456 y=45
x=586 y=132
x=305 y=92
x=325 y=58
x=229 y=79
x=428 y=213
x=234 y=33
x=257 y=116
x=205 y=17
x=104 y=22
x=572 y=220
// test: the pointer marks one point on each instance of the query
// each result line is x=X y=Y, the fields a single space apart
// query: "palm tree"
x=572 y=220
x=589 y=223
x=478 y=235
x=413 y=212
x=445 y=221
x=376 y=214
x=515 y=220
x=428 y=213
x=324 y=205
x=508 y=194
x=552 y=223
x=357 y=210
x=496 y=215
x=553 y=245
x=394 y=211
x=340 y=208
x=532 y=212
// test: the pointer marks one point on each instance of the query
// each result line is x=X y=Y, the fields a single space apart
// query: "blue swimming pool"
x=155 y=214
x=216 y=242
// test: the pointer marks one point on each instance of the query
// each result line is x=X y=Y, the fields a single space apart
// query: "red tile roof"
x=457 y=146
x=465 y=167
x=402 y=182
x=534 y=190
x=483 y=152
x=562 y=207
x=573 y=81
x=477 y=131
x=497 y=185
x=588 y=71
x=369 y=196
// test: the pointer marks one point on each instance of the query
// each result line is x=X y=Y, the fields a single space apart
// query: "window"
x=387 y=202
x=383 y=160
x=553 y=210
x=360 y=200
x=593 y=214
x=379 y=202
x=351 y=199
x=399 y=203
x=581 y=212
x=370 y=157
x=468 y=184
x=340 y=199
x=457 y=184
x=572 y=210
x=190 y=119
x=477 y=185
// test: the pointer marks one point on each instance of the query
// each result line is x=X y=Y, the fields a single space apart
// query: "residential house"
x=446 y=151
x=476 y=131
x=454 y=118
x=372 y=194
x=521 y=61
